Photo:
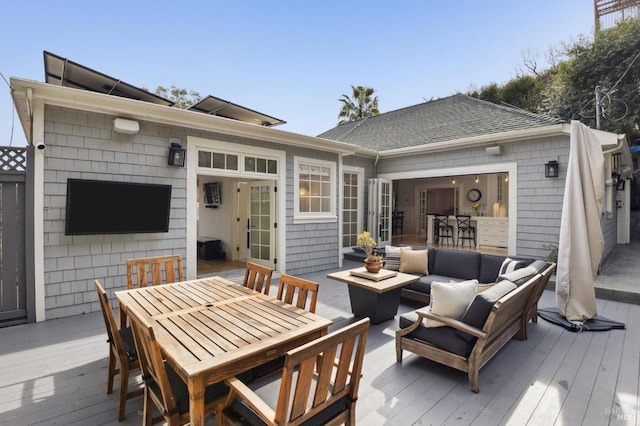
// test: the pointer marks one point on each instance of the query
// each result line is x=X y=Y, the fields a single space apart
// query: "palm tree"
x=362 y=104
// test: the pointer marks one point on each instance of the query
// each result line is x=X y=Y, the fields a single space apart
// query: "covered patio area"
x=54 y=373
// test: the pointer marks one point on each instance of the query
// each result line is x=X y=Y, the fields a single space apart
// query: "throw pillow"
x=519 y=276
x=509 y=265
x=480 y=308
x=450 y=300
x=392 y=257
x=414 y=262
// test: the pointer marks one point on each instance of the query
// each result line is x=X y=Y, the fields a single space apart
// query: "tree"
x=182 y=98
x=362 y=104
x=611 y=62
x=524 y=92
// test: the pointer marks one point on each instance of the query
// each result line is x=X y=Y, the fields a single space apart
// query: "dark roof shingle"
x=446 y=119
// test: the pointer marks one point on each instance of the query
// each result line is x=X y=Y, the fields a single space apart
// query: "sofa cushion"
x=424 y=284
x=539 y=265
x=450 y=300
x=490 y=267
x=392 y=257
x=510 y=265
x=519 y=276
x=442 y=337
x=480 y=308
x=414 y=262
x=464 y=265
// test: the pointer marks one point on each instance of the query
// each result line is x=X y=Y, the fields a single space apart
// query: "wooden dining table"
x=210 y=329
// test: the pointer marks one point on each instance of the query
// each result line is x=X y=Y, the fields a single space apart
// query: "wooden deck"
x=54 y=373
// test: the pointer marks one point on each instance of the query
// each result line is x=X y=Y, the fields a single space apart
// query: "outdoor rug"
x=597 y=323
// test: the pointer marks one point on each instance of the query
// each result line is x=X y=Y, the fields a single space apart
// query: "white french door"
x=380 y=210
x=260 y=223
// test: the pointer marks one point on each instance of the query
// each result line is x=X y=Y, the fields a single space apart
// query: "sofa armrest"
x=454 y=323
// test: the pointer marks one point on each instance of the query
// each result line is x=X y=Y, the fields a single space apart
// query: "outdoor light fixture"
x=494 y=150
x=477 y=179
x=127 y=127
x=551 y=169
x=177 y=155
x=453 y=181
x=506 y=178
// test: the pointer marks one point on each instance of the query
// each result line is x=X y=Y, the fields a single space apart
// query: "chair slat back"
x=290 y=286
x=109 y=320
x=141 y=267
x=312 y=372
x=257 y=277
x=152 y=364
x=464 y=221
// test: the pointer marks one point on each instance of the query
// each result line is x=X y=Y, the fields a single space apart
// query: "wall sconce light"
x=177 y=155
x=477 y=179
x=551 y=169
x=453 y=181
x=506 y=178
x=494 y=150
x=127 y=127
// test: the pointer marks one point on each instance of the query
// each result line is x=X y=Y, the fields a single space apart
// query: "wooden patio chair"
x=290 y=286
x=123 y=358
x=319 y=384
x=141 y=267
x=288 y=289
x=163 y=387
x=257 y=277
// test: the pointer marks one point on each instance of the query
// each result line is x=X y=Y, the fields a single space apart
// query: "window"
x=217 y=160
x=350 y=214
x=315 y=195
x=237 y=162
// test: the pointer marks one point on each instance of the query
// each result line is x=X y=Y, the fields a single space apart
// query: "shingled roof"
x=446 y=119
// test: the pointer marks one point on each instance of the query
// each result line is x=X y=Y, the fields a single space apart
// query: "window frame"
x=317 y=217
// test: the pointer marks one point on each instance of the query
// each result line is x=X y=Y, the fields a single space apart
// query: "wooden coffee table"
x=374 y=295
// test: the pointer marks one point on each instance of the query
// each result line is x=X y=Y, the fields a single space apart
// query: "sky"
x=289 y=59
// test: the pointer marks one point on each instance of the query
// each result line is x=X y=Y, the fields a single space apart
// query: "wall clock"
x=474 y=195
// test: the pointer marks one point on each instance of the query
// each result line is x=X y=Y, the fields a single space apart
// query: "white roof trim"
x=475 y=141
x=26 y=92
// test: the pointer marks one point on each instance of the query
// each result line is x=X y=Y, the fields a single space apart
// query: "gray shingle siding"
x=82 y=145
x=310 y=246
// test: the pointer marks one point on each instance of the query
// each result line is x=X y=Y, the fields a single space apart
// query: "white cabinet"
x=493 y=231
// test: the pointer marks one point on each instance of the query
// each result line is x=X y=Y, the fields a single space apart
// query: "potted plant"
x=373 y=262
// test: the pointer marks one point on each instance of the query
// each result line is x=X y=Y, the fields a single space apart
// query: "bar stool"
x=442 y=229
x=465 y=230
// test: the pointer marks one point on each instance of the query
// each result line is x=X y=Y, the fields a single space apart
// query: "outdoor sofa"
x=445 y=265
x=493 y=316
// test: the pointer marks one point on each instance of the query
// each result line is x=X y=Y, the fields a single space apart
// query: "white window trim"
x=302 y=217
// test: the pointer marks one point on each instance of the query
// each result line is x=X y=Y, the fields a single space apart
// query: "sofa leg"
x=473 y=380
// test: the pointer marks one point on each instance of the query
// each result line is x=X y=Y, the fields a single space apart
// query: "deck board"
x=55 y=373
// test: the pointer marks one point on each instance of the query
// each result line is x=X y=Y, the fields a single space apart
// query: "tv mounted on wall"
x=105 y=207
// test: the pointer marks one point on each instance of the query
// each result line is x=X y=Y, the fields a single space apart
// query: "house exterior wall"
x=310 y=246
x=83 y=145
x=539 y=198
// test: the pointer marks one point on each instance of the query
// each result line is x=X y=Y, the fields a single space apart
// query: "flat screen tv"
x=105 y=207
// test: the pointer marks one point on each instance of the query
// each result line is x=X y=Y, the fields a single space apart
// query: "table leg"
x=196 y=401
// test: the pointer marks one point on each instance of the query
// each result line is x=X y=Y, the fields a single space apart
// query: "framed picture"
x=212 y=194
